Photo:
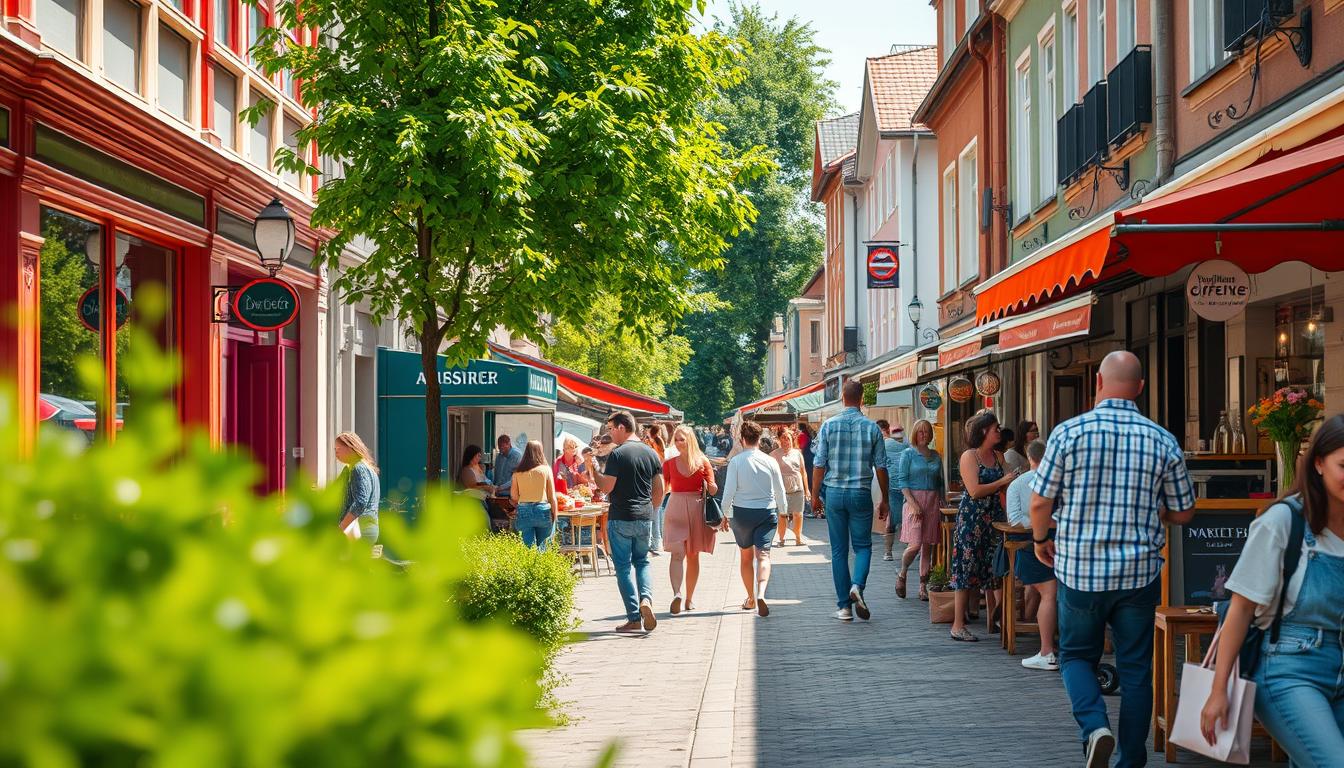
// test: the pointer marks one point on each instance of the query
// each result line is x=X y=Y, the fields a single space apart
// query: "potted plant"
x=1286 y=416
x=940 y=596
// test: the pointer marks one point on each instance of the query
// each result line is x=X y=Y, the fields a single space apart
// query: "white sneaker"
x=1100 y=745
x=1048 y=662
x=844 y=614
x=887 y=556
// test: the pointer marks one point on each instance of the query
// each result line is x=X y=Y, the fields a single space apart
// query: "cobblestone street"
x=721 y=686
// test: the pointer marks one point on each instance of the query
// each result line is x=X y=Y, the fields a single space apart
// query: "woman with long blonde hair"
x=689 y=479
x=362 y=491
x=919 y=479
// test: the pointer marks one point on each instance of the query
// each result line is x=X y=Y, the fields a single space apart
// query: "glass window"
x=61 y=24
x=1022 y=163
x=972 y=12
x=121 y=43
x=68 y=277
x=1069 y=56
x=225 y=106
x=291 y=127
x=949 y=10
x=968 y=173
x=145 y=278
x=1206 y=37
x=1096 y=41
x=1047 y=117
x=260 y=148
x=1126 y=28
x=224 y=22
x=174 y=73
x=815 y=333
x=949 y=209
x=257 y=22
x=1299 y=345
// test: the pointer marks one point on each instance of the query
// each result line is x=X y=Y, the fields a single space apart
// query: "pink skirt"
x=920 y=524
x=684 y=523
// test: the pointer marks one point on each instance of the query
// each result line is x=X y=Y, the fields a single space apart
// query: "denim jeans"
x=1083 y=618
x=1299 y=695
x=534 y=524
x=656 y=531
x=630 y=556
x=849 y=521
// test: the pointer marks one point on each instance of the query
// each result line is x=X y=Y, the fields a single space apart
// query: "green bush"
x=155 y=612
x=939 y=580
x=534 y=591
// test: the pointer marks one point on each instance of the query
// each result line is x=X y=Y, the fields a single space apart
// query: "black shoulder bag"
x=1252 y=646
x=713 y=510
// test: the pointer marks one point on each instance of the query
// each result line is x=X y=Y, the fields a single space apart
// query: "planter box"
x=941 y=607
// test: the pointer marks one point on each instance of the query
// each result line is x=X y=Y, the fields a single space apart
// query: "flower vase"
x=1287 y=464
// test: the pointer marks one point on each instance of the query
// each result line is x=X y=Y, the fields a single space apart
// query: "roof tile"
x=899 y=81
x=837 y=137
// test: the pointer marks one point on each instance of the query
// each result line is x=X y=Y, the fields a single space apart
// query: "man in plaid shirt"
x=1111 y=478
x=847 y=451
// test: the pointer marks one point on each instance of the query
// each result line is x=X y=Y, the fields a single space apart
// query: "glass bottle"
x=1222 y=435
x=1238 y=435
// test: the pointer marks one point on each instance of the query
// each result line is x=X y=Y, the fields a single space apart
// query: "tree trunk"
x=429 y=364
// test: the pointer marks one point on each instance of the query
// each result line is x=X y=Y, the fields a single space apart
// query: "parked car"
x=70 y=414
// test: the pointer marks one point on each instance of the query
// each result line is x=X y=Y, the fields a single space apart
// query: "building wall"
x=958 y=124
x=917 y=190
x=881 y=207
x=836 y=241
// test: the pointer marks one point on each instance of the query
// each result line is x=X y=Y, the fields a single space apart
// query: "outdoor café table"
x=1009 y=625
x=1171 y=621
x=943 y=554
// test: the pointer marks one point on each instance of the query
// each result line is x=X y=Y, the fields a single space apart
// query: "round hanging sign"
x=1217 y=290
x=931 y=398
x=90 y=309
x=266 y=304
x=988 y=383
x=960 y=389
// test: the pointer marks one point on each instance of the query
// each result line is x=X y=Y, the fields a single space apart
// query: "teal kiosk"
x=481 y=400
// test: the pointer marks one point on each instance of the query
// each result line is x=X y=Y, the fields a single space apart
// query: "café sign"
x=902 y=374
x=1217 y=290
x=266 y=304
x=90 y=309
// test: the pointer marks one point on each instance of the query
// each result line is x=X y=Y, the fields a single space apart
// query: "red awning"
x=1076 y=263
x=1294 y=204
x=587 y=386
x=782 y=397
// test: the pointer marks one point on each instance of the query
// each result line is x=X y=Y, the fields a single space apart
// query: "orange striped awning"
x=1047 y=277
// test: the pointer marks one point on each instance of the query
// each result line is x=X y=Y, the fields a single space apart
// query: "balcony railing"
x=1092 y=131
x=1066 y=141
x=1241 y=19
x=1129 y=91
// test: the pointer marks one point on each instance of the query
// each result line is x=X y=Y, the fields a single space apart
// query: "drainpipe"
x=854 y=272
x=987 y=153
x=1163 y=79
x=914 y=229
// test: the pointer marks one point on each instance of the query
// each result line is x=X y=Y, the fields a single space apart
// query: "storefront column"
x=1334 y=345
x=200 y=390
x=20 y=245
x=315 y=370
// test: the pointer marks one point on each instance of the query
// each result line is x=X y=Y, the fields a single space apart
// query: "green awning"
x=484 y=383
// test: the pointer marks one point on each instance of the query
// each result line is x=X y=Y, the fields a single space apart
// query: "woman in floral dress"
x=973 y=541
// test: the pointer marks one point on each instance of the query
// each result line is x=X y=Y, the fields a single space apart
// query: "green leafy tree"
x=602 y=346
x=509 y=158
x=777 y=105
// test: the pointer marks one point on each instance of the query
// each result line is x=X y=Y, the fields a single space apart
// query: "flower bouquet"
x=1286 y=416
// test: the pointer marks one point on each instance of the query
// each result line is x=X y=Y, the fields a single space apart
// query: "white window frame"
x=1096 y=42
x=949 y=28
x=1022 y=135
x=144 y=16
x=968 y=193
x=972 y=13
x=891 y=184
x=1206 y=37
x=190 y=74
x=1069 y=54
x=951 y=229
x=80 y=37
x=1126 y=27
x=1048 y=114
x=232 y=142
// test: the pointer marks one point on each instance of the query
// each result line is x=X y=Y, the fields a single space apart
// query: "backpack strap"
x=1292 y=555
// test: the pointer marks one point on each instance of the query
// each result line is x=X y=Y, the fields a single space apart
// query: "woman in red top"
x=689 y=477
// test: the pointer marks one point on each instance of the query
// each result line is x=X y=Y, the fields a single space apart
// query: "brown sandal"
x=900 y=586
x=749 y=604
x=924 y=591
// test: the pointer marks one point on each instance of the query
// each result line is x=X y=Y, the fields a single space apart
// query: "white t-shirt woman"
x=1258 y=575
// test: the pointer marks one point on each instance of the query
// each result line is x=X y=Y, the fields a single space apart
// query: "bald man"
x=1111 y=478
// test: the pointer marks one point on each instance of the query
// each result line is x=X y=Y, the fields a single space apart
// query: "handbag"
x=713 y=510
x=1233 y=742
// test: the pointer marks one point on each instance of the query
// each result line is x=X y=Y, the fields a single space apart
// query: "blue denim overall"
x=1299 y=693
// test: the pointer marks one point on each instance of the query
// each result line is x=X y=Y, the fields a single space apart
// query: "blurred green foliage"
x=157 y=613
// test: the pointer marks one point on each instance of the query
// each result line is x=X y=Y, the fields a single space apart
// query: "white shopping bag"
x=1234 y=739
x=352 y=530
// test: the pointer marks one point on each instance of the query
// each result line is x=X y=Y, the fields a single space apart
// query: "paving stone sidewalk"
x=720 y=686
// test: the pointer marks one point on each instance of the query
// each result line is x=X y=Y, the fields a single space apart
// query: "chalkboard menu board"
x=1210 y=546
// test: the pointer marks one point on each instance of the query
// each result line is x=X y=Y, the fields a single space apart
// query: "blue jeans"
x=1299 y=695
x=534 y=524
x=656 y=531
x=1083 y=617
x=849 y=521
x=630 y=555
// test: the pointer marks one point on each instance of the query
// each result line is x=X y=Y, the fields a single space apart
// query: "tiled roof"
x=899 y=81
x=837 y=137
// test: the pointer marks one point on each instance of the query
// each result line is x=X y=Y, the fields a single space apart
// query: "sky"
x=852 y=30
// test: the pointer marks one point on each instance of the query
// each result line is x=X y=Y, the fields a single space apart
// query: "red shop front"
x=100 y=198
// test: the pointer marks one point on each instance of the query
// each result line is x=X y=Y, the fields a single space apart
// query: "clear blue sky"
x=852 y=30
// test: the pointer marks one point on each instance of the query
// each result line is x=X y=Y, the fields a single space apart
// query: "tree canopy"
x=511 y=158
x=777 y=104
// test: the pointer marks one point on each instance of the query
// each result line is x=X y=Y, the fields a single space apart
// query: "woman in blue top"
x=919 y=478
x=361 y=487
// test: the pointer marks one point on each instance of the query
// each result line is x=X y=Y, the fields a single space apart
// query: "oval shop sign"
x=266 y=304
x=90 y=309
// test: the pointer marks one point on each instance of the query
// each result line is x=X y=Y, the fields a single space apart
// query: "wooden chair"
x=575 y=547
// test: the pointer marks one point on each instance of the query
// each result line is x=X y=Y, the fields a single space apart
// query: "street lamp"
x=916 y=311
x=273 y=234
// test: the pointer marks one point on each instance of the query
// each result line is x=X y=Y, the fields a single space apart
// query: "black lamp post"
x=273 y=235
x=916 y=311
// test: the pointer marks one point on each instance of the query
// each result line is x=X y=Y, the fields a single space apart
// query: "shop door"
x=256 y=407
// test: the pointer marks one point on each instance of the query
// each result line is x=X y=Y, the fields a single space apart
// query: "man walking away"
x=893 y=442
x=1117 y=477
x=633 y=481
x=847 y=451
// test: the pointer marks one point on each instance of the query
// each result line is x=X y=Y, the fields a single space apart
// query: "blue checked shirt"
x=1111 y=471
x=848 y=446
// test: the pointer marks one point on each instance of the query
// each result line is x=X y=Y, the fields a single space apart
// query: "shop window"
x=4 y=127
x=226 y=106
x=145 y=276
x=174 y=73
x=122 y=43
x=291 y=130
x=1299 y=345
x=224 y=22
x=259 y=147
x=61 y=23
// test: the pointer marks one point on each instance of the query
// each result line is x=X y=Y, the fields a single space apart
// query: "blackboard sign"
x=266 y=304
x=90 y=309
x=1210 y=546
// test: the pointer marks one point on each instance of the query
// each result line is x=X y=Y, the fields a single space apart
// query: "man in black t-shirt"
x=633 y=481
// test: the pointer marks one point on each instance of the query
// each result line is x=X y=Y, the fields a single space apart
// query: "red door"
x=256 y=408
